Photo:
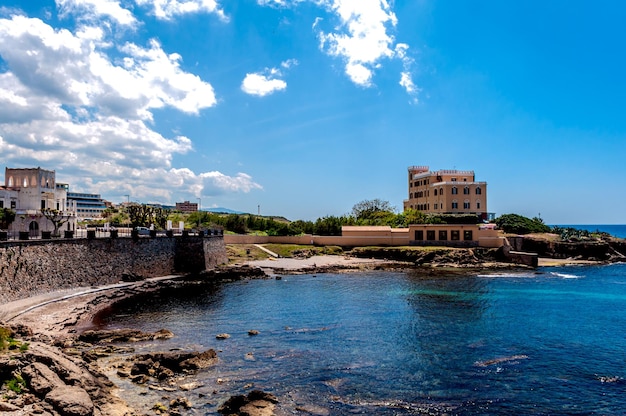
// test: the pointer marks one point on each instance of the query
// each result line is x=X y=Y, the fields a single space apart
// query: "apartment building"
x=187 y=206
x=446 y=192
x=87 y=206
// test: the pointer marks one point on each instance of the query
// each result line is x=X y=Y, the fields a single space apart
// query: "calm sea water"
x=550 y=342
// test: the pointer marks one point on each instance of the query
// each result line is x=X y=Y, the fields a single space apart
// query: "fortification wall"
x=36 y=267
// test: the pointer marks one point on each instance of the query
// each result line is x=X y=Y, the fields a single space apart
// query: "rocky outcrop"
x=420 y=256
x=54 y=384
x=123 y=335
x=596 y=249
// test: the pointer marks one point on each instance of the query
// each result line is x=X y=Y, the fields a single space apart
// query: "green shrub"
x=16 y=384
x=518 y=224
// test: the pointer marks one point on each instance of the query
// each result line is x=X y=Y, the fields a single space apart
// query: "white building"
x=27 y=192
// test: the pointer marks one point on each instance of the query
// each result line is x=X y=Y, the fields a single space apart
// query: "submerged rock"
x=256 y=403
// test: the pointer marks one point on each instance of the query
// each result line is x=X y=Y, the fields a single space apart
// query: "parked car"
x=142 y=230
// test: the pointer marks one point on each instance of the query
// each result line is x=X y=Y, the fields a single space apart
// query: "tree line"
x=374 y=212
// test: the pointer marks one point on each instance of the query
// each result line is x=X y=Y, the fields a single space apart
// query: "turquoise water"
x=549 y=342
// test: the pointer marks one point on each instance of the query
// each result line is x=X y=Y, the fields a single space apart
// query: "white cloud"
x=361 y=38
x=91 y=9
x=266 y=82
x=76 y=70
x=168 y=9
x=257 y=84
x=406 y=79
x=279 y=3
x=67 y=104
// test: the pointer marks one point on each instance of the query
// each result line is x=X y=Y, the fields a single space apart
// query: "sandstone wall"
x=35 y=267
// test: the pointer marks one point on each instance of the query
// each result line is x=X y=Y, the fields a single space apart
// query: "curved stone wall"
x=34 y=267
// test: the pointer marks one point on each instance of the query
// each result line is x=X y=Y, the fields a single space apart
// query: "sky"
x=303 y=108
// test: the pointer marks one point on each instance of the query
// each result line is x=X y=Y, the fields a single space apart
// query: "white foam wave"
x=565 y=275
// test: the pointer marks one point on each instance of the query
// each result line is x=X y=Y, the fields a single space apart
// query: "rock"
x=222 y=336
x=201 y=360
x=256 y=403
x=163 y=366
x=181 y=402
x=41 y=379
x=123 y=335
x=67 y=400
x=190 y=386
x=8 y=407
x=70 y=401
x=253 y=332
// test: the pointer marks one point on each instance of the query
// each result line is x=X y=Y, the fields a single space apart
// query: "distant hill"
x=220 y=210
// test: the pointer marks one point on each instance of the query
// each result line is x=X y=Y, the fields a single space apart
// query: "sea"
x=550 y=341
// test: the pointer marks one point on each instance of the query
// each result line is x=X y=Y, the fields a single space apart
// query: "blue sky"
x=305 y=107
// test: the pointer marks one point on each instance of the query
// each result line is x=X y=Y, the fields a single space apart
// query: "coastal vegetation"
x=517 y=224
x=7 y=216
x=375 y=212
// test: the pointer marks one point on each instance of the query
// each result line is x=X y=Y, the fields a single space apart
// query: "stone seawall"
x=36 y=267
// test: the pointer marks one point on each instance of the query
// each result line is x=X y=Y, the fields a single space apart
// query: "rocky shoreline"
x=54 y=359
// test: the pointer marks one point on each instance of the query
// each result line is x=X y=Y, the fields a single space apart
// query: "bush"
x=518 y=224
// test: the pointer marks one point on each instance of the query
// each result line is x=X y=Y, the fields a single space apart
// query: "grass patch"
x=298 y=250
x=8 y=343
x=244 y=252
x=16 y=384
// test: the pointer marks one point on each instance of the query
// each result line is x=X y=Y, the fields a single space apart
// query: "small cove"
x=394 y=343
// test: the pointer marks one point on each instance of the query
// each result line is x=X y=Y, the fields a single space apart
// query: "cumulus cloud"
x=267 y=82
x=94 y=9
x=362 y=37
x=168 y=9
x=73 y=102
x=261 y=85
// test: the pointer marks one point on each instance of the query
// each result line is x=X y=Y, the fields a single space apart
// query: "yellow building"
x=446 y=192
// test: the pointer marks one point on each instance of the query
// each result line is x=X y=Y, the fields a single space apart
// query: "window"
x=477 y=204
x=467 y=235
x=454 y=190
x=12 y=204
x=455 y=235
x=435 y=192
x=466 y=205
x=453 y=179
x=478 y=190
x=455 y=205
x=419 y=234
x=435 y=206
x=43 y=204
x=443 y=235
x=1 y=204
x=466 y=190
x=430 y=235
